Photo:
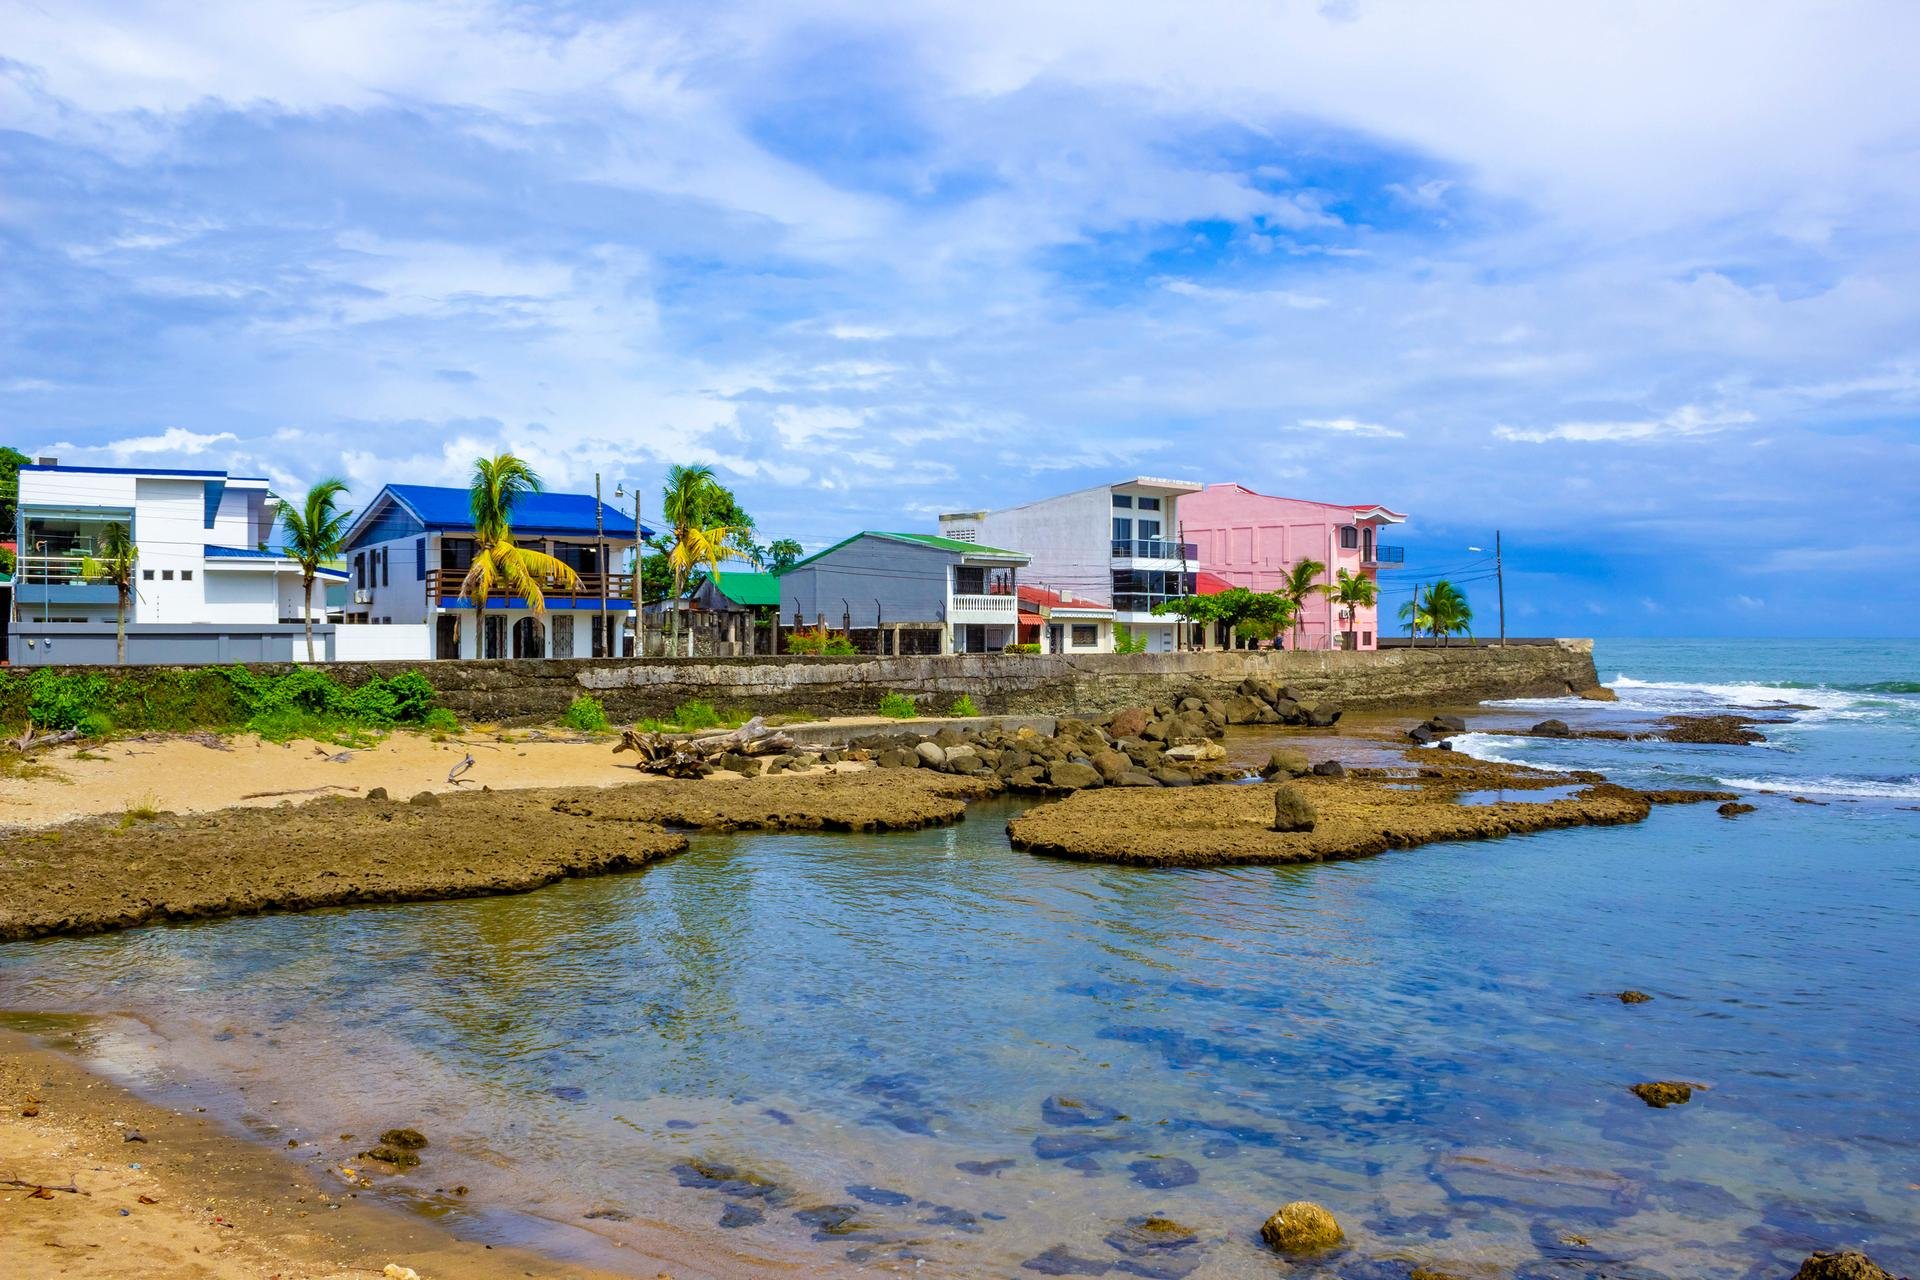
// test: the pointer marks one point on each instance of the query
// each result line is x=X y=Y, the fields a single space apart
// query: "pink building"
x=1251 y=540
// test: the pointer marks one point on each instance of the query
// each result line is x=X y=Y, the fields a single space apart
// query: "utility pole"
x=639 y=567
x=600 y=563
x=1500 y=580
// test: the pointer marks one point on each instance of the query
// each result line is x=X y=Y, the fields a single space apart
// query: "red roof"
x=1209 y=584
x=1041 y=598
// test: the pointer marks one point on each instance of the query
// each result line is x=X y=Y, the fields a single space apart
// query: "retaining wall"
x=999 y=684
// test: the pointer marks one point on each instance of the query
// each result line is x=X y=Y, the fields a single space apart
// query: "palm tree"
x=1414 y=614
x=1448 y=611
x=1296 y=586
x=695 y=506
x=1353 y=592
x=499 y=564
x=316 y=533
x=783 y=554
x=114 y=564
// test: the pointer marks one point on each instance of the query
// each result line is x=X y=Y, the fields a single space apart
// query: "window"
x=1124 y=500
x=1366 y=638
x=419 y=559
x=969 y=581
x=186 y=575
x=1085 y=635
x=386 y=563
x=1149 y=530
x=166 y=575
x=1122 y=529
x=360 y=570
x=146 y=575
x=1349 y=537
x=1149 y=504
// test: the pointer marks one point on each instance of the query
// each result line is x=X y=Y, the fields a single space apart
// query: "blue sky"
x=1635 y=283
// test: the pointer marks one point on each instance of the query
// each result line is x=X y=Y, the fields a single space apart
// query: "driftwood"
x=694 y=757
x=27 y=742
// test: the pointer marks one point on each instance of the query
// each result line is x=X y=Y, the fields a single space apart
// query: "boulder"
x=1301 y=1229
x=1323 y=716
x=1069 y=776
x=1168 y=776
x=1663 y=1093
x=1291 y=812
x=1420 y=735
x=1599 y=693
x=1286 y=762
x=1242 y=709
x=1329 y=769
x=1193 y=752
x=424 y=799
x=949 y=736
x=1110 y=764
x=1838 y=1265
x=1552 y=729
x=1135 y=778
x=1030 y=778
x=898 y=758
x=966 y=760
x=1289 y=711
x=1446 y=724
x=746 y=766
x=377 y=793
x=1631 y=996
x=931 y=754
x=1733 y=809
x=1129 y=723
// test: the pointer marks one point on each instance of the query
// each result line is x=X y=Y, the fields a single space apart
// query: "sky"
x=1635 y=283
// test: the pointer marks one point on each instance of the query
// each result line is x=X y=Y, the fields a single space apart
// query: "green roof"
x=749 y=589
x=932 y=540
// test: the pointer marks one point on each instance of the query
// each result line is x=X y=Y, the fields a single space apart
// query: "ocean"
x=928 y=1053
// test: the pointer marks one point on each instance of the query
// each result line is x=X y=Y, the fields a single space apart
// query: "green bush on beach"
x=898 y=706
x=963 y=705
x=586 y=714
x=302 y=702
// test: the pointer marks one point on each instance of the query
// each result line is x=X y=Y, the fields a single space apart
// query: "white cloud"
x=1351 y=427
x=1688 y=420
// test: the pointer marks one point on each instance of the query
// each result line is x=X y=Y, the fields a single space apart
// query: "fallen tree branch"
x=303 y=791
x=27 y=742
x=70 y=1188
x=693 y=757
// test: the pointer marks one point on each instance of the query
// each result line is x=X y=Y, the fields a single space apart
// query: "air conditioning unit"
x=363 y=595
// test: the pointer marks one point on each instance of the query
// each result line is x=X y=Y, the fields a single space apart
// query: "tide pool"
x=929 y=1053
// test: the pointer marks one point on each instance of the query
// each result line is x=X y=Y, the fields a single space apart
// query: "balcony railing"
x=1000 y=606
x=1153 y=549
x=1386 y=555
x=48 y=570
x=444 y=584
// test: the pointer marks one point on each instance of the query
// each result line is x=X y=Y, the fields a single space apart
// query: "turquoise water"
x=1428 y=1042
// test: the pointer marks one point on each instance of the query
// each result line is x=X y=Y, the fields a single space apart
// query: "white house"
x=1115 y=544
x=409 y=549
x=209 y=587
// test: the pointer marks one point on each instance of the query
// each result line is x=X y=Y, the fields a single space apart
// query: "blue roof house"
x=409 y=550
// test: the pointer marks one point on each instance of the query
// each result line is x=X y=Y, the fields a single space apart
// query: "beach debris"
x=1631 y=996
x=394 y=1271
x=133 y=1135
x=1301 y=1228
x=466 y=763
x=303 y=791
x=44 y=1190
x=40 y=1193
x=30 y=1111
x=1291 y=812
x=1662 y=1093
x=27 y=742
x=697 y=755
x=146 y=1199
x=340 y=757
x=1840 y=1265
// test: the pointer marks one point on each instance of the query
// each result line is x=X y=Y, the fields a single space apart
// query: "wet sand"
x=193 y=1201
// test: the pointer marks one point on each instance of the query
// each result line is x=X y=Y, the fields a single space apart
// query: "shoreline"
x=185 y=1196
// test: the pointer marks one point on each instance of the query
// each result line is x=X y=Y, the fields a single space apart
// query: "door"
x=562 y=636
x=1055 y=642
x=496 y=635
x=446 y=636
x=529 y=638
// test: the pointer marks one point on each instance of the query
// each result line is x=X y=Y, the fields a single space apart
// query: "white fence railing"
x=1000 y=608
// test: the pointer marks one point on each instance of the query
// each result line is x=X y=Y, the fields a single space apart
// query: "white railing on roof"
x=997 y=606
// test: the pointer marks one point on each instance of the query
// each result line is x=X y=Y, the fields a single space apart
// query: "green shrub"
x=696 y=715
x=963 y=706
x=64 y=700
x=440 y=720
x=821 y=642
x=96 y=724
x=1030 y=647
x=898 y=706
x=585 y=714
x=1125 y=640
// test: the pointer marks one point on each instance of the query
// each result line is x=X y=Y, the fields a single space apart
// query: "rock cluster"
x=1270 y=702
x=1436 y=729
x=1172 y=745
x=1663 y=1093
x=1840 y=1266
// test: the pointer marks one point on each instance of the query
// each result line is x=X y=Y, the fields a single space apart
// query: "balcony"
x=1140 y=601
x=1385 y=555
x=1154 y=549
x=443 y=589
x=987 y=608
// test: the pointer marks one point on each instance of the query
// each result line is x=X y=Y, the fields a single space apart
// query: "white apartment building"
x=1118 y=544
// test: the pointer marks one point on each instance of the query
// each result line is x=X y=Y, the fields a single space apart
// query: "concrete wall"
x=157 y=644
x=1005 y=684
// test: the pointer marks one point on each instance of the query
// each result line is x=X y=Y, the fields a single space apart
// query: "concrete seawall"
x=999 y=684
